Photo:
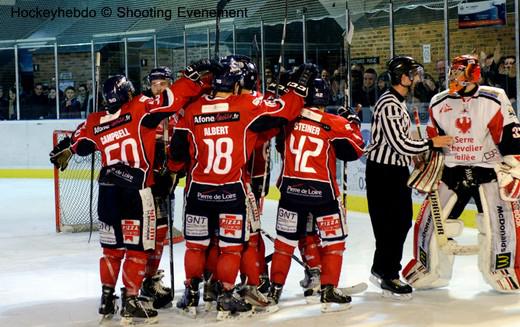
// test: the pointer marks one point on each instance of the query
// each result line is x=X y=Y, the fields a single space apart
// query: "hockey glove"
x=302 y=79
x=199 y=68
x=508 y=176
x=349 y=115
x=61 y=154
x=281 y=89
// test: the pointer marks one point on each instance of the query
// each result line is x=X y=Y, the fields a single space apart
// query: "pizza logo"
x=463 y=124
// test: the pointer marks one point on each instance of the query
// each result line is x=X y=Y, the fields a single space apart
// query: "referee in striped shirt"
x=389 y=154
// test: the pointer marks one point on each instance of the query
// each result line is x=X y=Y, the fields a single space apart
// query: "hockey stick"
x=294 y=257
x=95 y=108
x=169 y=207
x=220 y=6
x=346 y=104
x=437 y=215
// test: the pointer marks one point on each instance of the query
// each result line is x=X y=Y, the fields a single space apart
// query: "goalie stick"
x=437 y=216
x=95 y=109
x=220 y=6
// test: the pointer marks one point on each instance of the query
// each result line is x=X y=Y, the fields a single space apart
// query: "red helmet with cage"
x=464 y=70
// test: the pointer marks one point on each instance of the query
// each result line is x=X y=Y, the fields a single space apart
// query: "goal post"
x=72 y=193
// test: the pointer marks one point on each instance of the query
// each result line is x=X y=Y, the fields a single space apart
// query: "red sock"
x=212 y=258
x=194 y=260
x=109 y=266
x=133 y=271
x=261 y=255
x=154 y=258
x=331 y=259
x=310 y=251
x=281 y=261
x=249 y=262
x=228 y=265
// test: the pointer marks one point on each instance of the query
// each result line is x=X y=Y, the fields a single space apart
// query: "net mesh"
x=73 y=191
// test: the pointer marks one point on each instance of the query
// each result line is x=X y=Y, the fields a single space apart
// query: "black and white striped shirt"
x=390 y=141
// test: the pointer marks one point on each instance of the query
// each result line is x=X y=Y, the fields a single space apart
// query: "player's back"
x=218 y=128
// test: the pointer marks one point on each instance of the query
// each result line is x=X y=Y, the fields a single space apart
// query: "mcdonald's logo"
x=503 y=260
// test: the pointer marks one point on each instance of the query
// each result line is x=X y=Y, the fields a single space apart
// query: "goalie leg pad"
x=499 y=238
x=431 y=267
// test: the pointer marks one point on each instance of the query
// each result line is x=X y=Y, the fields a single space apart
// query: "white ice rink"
x=49 y=279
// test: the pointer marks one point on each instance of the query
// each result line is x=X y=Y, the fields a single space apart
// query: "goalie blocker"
x=498 y=241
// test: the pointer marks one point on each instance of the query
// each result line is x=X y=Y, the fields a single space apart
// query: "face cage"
x=417 y=71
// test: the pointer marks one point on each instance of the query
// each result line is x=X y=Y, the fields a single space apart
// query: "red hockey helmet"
x=464 y=70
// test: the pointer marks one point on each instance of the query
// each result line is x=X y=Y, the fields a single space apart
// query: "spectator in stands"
x=383 y=83
x=337 y=86
x=369 y=88
x=268 y=76
x=51 y=97
x=11 y=103
x=506 y=77
x=3 y=104
x=70 y=106
x=425 y=90
x=36 y=104
x=82 y=97
x=440 y=67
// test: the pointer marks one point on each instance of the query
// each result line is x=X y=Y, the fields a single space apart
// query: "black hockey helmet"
x=116 y=92
x=397 y=66
x=163 y=73
x=231 y=74
x=319 y=93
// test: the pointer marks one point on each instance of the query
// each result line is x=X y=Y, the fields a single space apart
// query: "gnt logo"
x=503 y=260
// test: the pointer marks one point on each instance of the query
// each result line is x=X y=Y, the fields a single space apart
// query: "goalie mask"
x=397 y=66
x=117 y=90
x=463 y=71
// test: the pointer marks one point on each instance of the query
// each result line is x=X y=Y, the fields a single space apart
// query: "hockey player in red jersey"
x=484 y=164
x=159 y=78
x=308 y=186
x=216 y=137
x=124 y=133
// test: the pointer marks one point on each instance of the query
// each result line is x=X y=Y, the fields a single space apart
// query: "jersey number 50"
x=219 y=150
x=300 y=163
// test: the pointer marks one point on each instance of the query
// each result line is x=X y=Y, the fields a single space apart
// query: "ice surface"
x=49 y=279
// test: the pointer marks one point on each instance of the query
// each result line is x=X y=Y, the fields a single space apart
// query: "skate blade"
x=190 y=312
x=396 y=296
x=354 y=289
x=375 y=281
x=312 y=299
x=106 y=320
x=265 y=310
x=226 y=315
x=335 y=307
x=209 y=306
x=131 y=321
x=256 y=303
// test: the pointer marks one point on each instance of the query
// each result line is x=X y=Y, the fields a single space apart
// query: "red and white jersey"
x=222 y=132
x=311 y=145
x=127 y=137
x=477 y=124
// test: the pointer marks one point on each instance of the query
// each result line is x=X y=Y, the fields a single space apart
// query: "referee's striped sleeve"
x=396 y=133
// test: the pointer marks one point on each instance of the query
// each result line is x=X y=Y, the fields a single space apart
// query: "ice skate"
x=190 y=300
x=393 y=288
x=311 y=285
x=154 y=289
x=264 y=284
x=231 y=306
x=332 y=299
x=133 y=311
x=210 y=293
x=108 y=307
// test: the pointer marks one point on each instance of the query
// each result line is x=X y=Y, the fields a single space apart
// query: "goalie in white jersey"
x=483 y=163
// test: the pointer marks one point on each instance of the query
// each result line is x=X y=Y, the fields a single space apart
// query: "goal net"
x=72 y=192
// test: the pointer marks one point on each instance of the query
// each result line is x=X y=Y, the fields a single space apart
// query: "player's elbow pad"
x=85 y=148
x=345 y=151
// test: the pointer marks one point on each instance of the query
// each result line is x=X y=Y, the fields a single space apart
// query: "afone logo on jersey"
x=216 y=118
x=463 y=124
x=114 y=123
